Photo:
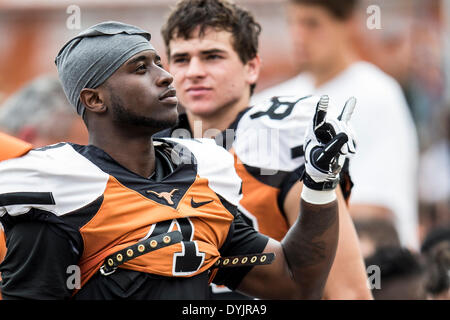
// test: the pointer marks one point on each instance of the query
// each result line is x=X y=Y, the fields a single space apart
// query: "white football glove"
x=328 y=141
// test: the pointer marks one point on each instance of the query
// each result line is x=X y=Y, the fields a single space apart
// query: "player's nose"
x=195 y=69
x=164 y=79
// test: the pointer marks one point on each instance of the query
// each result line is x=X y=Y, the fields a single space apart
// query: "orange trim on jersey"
x=2 y=246
x=125 y=217
x=2 y=252
x=261 y=201
x=11 y=147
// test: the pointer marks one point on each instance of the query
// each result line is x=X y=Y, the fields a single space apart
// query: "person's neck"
x=133 y=151
x=217 y=122
x=323 y=75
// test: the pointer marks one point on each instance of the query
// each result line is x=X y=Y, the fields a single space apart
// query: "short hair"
x=340 y=9
x=402 y=274
x=381 y=231
x=436 y=248
x=220 y=15
x=434 y=237
x=396 y=262
x=216 y=14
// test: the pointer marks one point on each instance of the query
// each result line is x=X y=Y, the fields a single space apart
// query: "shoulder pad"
x=12 y=147
x=271 y=134
x=56 y=179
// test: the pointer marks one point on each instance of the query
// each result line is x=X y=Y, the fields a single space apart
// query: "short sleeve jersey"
x=95 y=207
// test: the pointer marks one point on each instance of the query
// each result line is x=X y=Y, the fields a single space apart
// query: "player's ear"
x=252 y=68
x=93 y=100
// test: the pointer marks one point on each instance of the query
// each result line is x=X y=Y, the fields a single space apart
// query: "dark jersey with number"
x=66 y=207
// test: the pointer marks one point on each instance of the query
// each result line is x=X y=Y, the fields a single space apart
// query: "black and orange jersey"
x=100 y=207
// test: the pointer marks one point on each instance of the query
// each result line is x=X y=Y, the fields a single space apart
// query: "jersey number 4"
x=189 y=260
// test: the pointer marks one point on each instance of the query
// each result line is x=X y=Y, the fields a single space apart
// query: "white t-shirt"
x=384 y=169
x=435 y=187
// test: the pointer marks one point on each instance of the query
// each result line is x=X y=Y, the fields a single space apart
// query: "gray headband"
x=90 y=58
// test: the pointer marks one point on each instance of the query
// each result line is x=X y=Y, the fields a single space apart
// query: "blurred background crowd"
x=411 y=44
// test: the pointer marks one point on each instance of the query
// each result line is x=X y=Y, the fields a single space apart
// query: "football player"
x=147 y=218
x=212 y=47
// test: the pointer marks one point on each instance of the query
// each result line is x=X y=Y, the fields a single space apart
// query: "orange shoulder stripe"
x=11 y=147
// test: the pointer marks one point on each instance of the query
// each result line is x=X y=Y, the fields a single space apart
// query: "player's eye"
x=213 y=57
x=179 y=60
x=141 y=68
x=312 y=23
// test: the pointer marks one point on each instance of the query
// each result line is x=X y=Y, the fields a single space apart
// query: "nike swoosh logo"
x=199 y=204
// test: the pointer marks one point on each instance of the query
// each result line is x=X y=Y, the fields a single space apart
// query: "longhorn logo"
x=164 y=195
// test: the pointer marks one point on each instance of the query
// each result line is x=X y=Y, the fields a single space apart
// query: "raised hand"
x=328 y=142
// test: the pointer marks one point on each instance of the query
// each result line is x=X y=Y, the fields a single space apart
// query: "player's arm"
x=348 y=278
x=306 y=253
x=303 y=258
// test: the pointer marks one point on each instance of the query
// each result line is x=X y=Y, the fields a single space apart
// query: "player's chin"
x=202 y=108
x=167 y=107
x=167 y=119
x=159 y=118
x=303 y=63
